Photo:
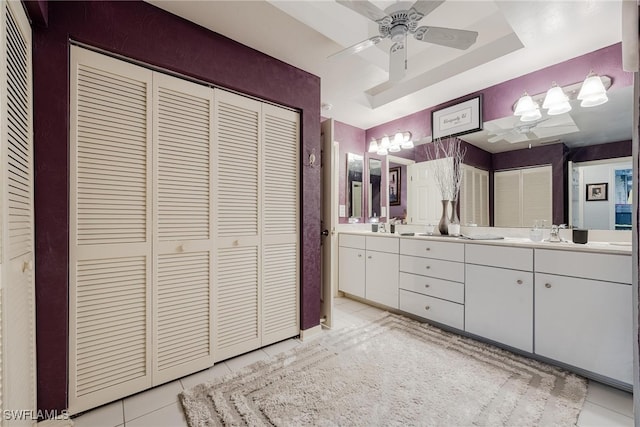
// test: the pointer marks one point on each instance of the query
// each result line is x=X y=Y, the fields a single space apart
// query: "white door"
x=17 y=352
x=424 y=199
x=183 y=228
x=329 y=201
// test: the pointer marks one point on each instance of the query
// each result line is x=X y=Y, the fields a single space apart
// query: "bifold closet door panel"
x=237 y=226
x=280 y=237
x=110 y=230
x=183 y=205
x=17 y=325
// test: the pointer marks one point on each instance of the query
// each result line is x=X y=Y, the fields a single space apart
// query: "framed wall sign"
x=596 y=192
x=463 y=117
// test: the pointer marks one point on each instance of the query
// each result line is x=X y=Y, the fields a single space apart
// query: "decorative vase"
x=443 y=225
x=454 y=221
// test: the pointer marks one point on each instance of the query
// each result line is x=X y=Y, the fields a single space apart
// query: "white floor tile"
x=353 y=306
x=110 y=415
x=282 y=346
x=240 y=362
x=169 y=416
x=151 y=400
x=610 y=398
x=216 y=371
x=593 y=415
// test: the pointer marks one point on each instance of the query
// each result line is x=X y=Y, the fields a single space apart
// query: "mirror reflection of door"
x=355 y=167
x=375 y=187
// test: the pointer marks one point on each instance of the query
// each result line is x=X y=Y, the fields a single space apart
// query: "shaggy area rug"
x=391 y=372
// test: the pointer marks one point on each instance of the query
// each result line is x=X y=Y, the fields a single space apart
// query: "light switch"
x=342 y=210
x=383 y=211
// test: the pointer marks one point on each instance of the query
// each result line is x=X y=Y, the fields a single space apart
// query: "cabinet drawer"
x=608 y=267
x=438 y=268
x=444 y=289
x=352 y=241
x=441 y=311
x=448 y=251
x=383 y=244
x=500 y=256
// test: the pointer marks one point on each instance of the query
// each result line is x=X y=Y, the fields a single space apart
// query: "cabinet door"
x=382 y=278
x=499 y=305
x=351 y=271
x=182 y=291
x=109 y=230
x=586 y=324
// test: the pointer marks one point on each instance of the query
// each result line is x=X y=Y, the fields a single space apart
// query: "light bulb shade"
x=531 y=116
x=562 y=108
x=373 y=146
x=385 y=143
x=592 y=92
x=382 y=151
x=398 y=138
x=407 y=144
x=525 y=105
x=594 y=100
x=555 y=96
x=394 y=148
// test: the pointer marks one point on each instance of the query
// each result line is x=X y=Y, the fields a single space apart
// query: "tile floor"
x=605 y=406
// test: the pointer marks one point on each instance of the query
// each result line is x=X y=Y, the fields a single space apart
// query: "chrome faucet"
x=554 y=234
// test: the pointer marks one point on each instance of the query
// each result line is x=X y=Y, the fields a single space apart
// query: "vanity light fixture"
x=592 y=92
x=386 y=145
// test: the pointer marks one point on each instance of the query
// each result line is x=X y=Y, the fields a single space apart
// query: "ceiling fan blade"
x=397 y=62
x=495 y=138
x=531 y=135
x=358 y=47
x=450 y=37
x=425 y=7
x=364 y=8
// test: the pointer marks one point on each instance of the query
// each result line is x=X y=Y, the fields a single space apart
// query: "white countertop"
x=622 y=248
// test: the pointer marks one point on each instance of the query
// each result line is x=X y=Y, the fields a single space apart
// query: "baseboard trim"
x=313 y=332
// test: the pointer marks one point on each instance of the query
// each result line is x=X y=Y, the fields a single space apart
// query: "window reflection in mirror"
x=612 y=212
x=355 y=166
x=375 y=186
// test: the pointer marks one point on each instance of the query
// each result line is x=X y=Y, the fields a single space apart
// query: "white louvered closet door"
x=18 y=368
x=280 y=237
x=507 y=200
x=237 y=225
x=537 y=195
x=182 y=292
x=110 y=230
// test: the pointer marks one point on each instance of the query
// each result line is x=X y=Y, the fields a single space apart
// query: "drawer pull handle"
x=369 y=257
x=426 y=307
x=519 y=282
x=426 y=286
x=428 y=267
x=359 y=255
x=428 y=249
x=547 y=285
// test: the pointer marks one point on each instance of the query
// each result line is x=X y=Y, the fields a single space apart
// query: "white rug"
x=391 y=372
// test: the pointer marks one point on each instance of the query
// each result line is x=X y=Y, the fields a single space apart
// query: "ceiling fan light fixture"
x=592 y=92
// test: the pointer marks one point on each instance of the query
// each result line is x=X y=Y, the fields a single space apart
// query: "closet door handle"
x=519 y=281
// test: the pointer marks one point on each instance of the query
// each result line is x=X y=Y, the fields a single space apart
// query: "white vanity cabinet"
x=432 y=280
x=382 y=270
x=499 y=294
x=583 y=312
x=351 y=264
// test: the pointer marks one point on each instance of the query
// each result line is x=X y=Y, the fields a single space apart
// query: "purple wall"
x=611 y=150
x=143 y=32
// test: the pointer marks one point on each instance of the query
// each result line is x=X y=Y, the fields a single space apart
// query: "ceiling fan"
x=396 y=23
x=527 y=131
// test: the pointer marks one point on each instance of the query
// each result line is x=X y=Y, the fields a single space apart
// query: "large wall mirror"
x=354 y=190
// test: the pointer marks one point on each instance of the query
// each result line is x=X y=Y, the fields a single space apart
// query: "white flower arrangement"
x=448 y=174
